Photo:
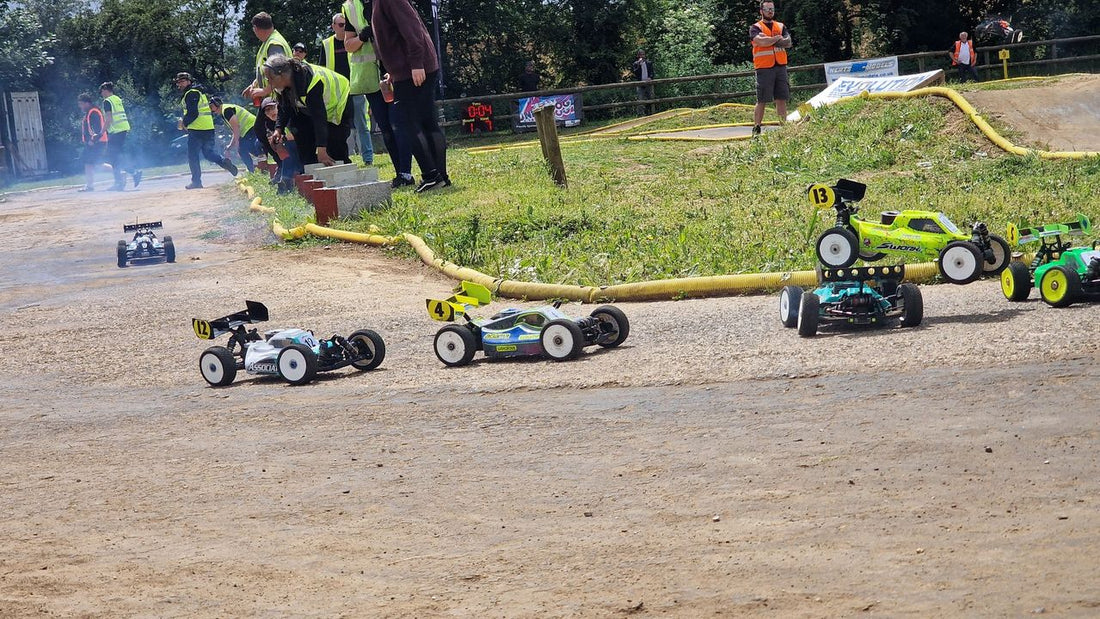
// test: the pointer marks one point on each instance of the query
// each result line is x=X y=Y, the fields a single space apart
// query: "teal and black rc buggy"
x=853 y=296
x=1064 y=274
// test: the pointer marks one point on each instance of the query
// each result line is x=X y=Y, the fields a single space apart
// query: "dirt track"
x=717 y=463
x=1060 y=115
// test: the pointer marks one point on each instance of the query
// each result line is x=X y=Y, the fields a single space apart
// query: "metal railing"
x=818 y=69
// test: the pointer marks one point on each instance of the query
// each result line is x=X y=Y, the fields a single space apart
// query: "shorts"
x=93 y=153
x=772 y=84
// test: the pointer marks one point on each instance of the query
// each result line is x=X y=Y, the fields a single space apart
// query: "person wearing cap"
x=199 y=124
x=300 y=51
x=93 y=134
x=242 y=124
x=118 y=127
x=323 y=127
x=366 y=70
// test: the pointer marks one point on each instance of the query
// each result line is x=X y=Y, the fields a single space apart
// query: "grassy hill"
x=638 y=210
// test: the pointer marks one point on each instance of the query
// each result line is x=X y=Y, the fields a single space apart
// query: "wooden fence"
x=815 y=73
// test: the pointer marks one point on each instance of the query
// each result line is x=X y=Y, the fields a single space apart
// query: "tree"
x=26 y=49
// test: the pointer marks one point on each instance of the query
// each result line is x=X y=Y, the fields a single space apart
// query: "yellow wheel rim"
x=1054 y=286
x=1008 y=283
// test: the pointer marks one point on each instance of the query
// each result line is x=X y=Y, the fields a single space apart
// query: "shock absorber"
x=1093 y=271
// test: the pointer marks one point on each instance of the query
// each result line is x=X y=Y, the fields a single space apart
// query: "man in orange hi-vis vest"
x=963 y=56
x=770 y=42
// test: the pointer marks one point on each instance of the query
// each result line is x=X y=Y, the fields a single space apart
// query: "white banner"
x=875 y=67
x=852 y=86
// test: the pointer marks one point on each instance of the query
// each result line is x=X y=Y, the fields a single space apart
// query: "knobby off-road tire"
x=296 y=364
x=960 y=262
x=789 y=300
x=372 y=342
x=837 y=248
x=218 y=366
x=809 y=315
x=455 y=345
x=561 y=340
x=1016 y=282
x=912 y=311
x=617 y=319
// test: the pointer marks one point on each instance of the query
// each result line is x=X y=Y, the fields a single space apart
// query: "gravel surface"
x=716 y=462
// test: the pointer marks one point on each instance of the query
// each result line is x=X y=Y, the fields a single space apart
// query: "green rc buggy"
x=1064 y=274
x=908 y=234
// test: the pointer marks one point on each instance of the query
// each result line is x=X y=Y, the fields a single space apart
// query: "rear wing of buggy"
x=469 y=295
x=862 y=274
x=150 y=225
x=210 y=329
x=1020 y=236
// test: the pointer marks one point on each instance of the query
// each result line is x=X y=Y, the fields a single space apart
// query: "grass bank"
x=651 y=210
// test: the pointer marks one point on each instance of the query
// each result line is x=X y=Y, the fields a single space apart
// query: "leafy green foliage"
x=26 y=49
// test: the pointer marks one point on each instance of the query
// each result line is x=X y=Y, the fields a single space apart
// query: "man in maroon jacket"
x=406 y=50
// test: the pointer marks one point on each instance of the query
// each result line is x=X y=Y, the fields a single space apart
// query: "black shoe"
x=136 y=176
x=193 y=186
x=229 y=167
x=446 y=181
x=428 y=184
x=756 y=131
x=402 y=181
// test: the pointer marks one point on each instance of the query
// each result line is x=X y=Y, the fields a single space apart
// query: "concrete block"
x=365 y=196
x=329 y=173
x=349 y=200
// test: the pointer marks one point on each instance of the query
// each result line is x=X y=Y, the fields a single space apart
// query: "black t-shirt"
x=528 y=82
x=106 y=106
x=340 y=62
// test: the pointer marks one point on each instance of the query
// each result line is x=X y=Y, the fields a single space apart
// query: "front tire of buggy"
x=789 y=300
x=169 y=250
x=809 y=315
x=121 y=254
x=367 y=341
x=1016 y=282
x=912 y=309
x=1001 y=256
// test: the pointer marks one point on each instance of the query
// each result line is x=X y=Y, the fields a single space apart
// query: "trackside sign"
x=874 y=67
x=853 y=86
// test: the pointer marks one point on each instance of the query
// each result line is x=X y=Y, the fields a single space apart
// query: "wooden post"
x=551 y=149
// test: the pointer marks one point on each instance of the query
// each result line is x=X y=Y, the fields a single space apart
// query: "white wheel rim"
x=998 y=257
x=958 y=263
x=608 y=318
x=835 y=249
x=365 y=341
x=292 y=364
x=557 y=340
x=212 y=369
x=450 y=347
x=784 y=305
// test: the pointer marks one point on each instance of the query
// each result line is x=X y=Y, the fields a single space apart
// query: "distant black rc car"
x=145 y=245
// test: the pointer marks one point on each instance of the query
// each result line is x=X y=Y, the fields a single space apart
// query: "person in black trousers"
x=407 y=52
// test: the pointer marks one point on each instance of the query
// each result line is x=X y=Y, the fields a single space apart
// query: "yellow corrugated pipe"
x=680 y=288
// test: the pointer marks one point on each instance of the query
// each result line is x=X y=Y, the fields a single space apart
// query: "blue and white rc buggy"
x=544 y=330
